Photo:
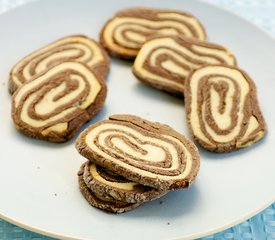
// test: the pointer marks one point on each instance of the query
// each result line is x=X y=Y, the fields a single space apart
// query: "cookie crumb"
x=168 y=223
x=55 y=194
x=161 y=202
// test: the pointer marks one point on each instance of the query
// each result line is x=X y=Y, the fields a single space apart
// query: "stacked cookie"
x=131 y=161
x=58 y=88
x=171 y=54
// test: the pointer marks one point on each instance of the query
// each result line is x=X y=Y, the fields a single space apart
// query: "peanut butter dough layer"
x=72 y=48
x=164 y=62
x=148 y=153
x=125 y=33
x=222 y=109
x=57 y=102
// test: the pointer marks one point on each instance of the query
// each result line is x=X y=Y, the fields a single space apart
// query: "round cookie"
x=72 y=48
x=164 y=62
x=101 y=202
x=57 y=102
x=148 y=153
x=113 y=186
x=126 y=32
x=222 y=109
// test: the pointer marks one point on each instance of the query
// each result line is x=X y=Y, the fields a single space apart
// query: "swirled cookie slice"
x=113 y=186
x=57 y=102
x=126 y=32
x=148 y=153
x=72 y=48
x=222 y=108
x=164 y=62
x=102 y=202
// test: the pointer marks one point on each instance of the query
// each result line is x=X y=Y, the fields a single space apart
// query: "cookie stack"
x=171 y=54
x=131 y=161
x=58 y=88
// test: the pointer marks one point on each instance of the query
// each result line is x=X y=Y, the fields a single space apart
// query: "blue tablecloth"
x=259 y=227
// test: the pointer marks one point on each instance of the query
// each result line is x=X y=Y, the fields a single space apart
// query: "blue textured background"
x=261 y=226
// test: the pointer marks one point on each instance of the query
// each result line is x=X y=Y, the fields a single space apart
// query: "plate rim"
x=189 y=237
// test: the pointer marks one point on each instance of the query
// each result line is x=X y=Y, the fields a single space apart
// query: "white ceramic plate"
x=38 y=182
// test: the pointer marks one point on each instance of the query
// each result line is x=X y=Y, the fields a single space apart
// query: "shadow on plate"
x=155 y=94
x=206 y=155
x=173 y=205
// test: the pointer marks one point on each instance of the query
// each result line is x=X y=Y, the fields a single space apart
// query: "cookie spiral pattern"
x=125 y=33
x=164 y=62
x=72 y=48
x=55 y=104
x=115 y=187
x=147 y=153
x=222 y=108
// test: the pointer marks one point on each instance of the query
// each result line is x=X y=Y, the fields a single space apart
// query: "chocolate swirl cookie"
x=101 y=202
x=125 y=33
x=114 y=187
x=57 y=102
x=148 y=153
x=222 y=109
x=72 y=48
x=164 y=62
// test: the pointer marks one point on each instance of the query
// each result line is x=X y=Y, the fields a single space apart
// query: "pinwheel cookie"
x=72 y=48
x=222 y=109
x=164 y=62
x=58 y=101
x=126 y=32
x=115 y=187
x=106 y=203
x=147 y=153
